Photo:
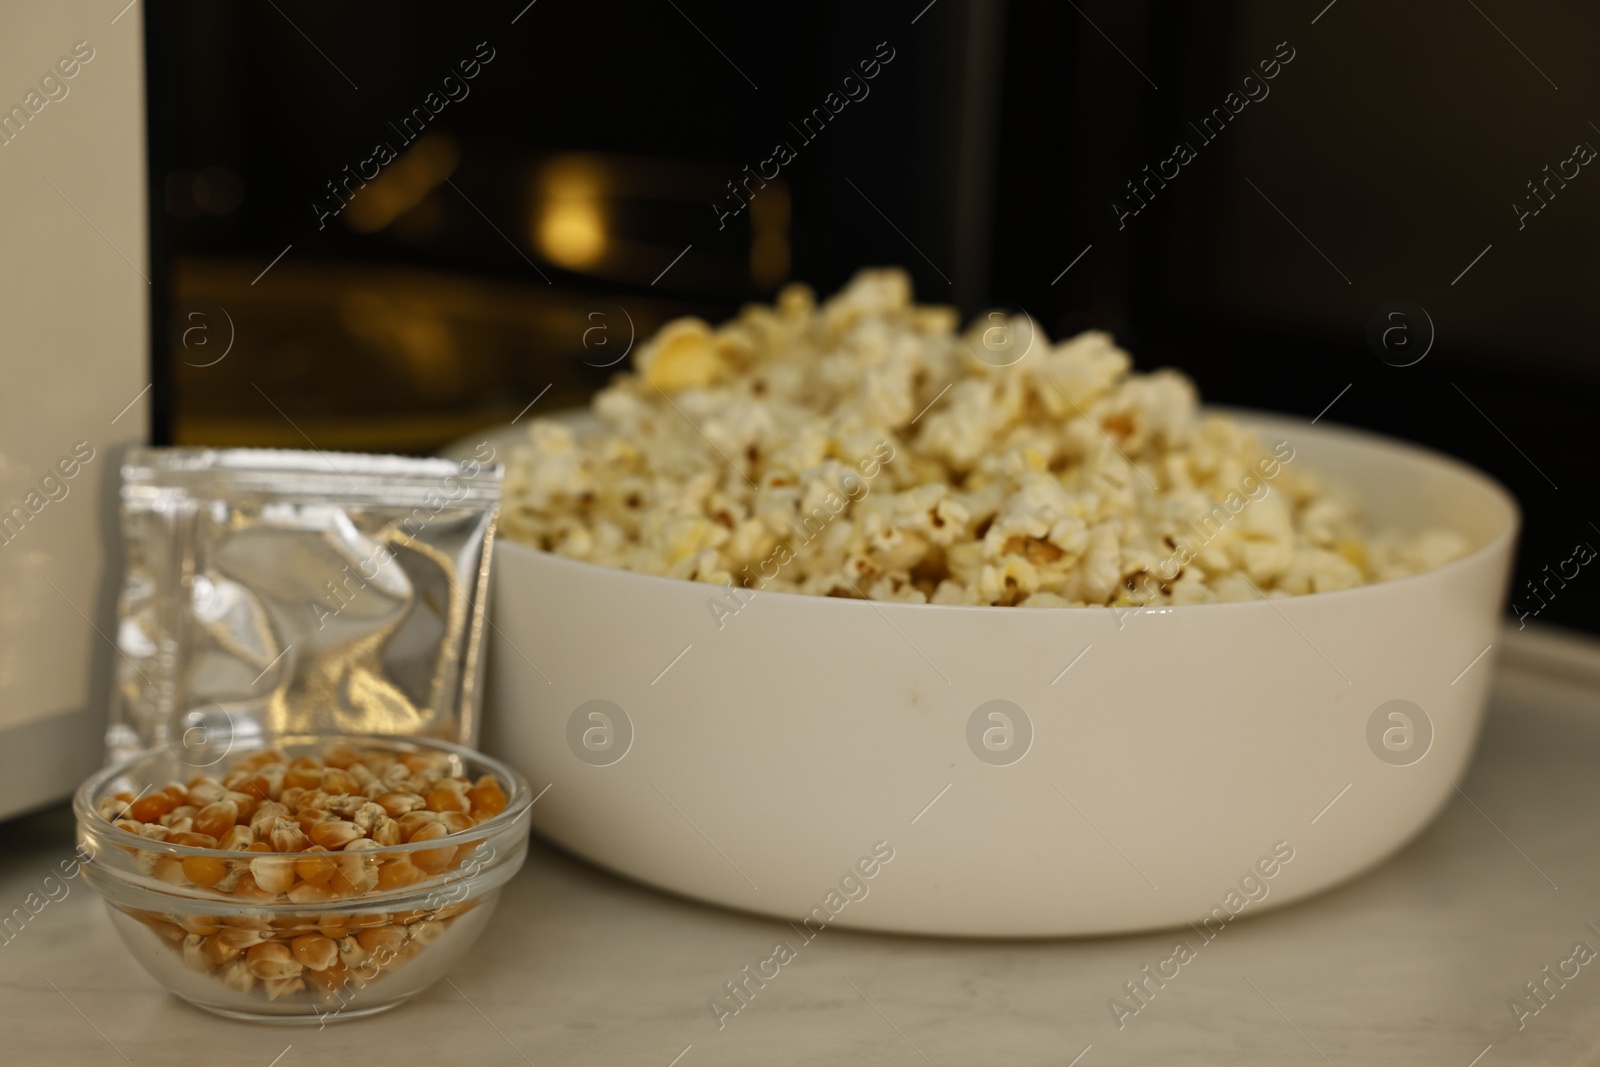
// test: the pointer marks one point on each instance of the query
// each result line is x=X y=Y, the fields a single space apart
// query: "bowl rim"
x=517 y=803
x=1421 y=455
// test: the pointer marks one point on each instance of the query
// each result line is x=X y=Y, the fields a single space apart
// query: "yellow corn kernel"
x=335 y=927
x=486 y=796
x=247 y=889
x=237 y=839
x=397 y=804
x=286 y=836
x=450 y=911
x=308 y=817
x=425 y=932
x=446 y=796
x=111 y=809
x=178 y=814
x=169 y=869
x=273 y=873
x=272 y=959
x=303 y=773
x=257 y=760
x=357 y=873
x=422 y=761
x=397 y=872
x=255 y=785
x=336 y=782
x=413 y=821
x=368 y=815
x=315 y=865
x=283 y=987
x=432 y=860
x=204 y=790
x=351 y=952
x=341 y=755
x=336 y=833
x=315 y=951
x=219 y=952
x=245 y=802
x=204 y=871
x=456 y=821
x=266 y=815
x=216 y=819
x=329 y=978
x=467 y=853
x=310 y=893
x=285 y=927
x=230 y=881
x=194 y=952
x=150 y=808
x=237 y=976
x=240 y=937
x=381 y=939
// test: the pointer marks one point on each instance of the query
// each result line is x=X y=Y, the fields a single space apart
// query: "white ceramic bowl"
x=754 y=765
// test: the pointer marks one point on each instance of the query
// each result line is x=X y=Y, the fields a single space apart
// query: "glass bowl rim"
x=517 y=802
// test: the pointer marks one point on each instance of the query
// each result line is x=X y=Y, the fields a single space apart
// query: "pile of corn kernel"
x=867 y=448
x=316 y=824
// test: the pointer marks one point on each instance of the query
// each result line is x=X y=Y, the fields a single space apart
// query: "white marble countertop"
x=1411 y=964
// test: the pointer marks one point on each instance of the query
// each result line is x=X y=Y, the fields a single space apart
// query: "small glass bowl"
x=392 y=941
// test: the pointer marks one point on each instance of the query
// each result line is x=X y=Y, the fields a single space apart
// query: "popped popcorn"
x=1060 y=480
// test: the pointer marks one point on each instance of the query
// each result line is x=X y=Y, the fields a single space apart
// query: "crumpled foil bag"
x=275 y=592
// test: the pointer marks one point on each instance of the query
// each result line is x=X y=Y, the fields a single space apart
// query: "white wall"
x=74 y=308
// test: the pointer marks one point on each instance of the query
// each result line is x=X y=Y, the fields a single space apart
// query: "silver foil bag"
x=280 y=592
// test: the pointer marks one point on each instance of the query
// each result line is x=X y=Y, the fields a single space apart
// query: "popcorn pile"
x=865 y=448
